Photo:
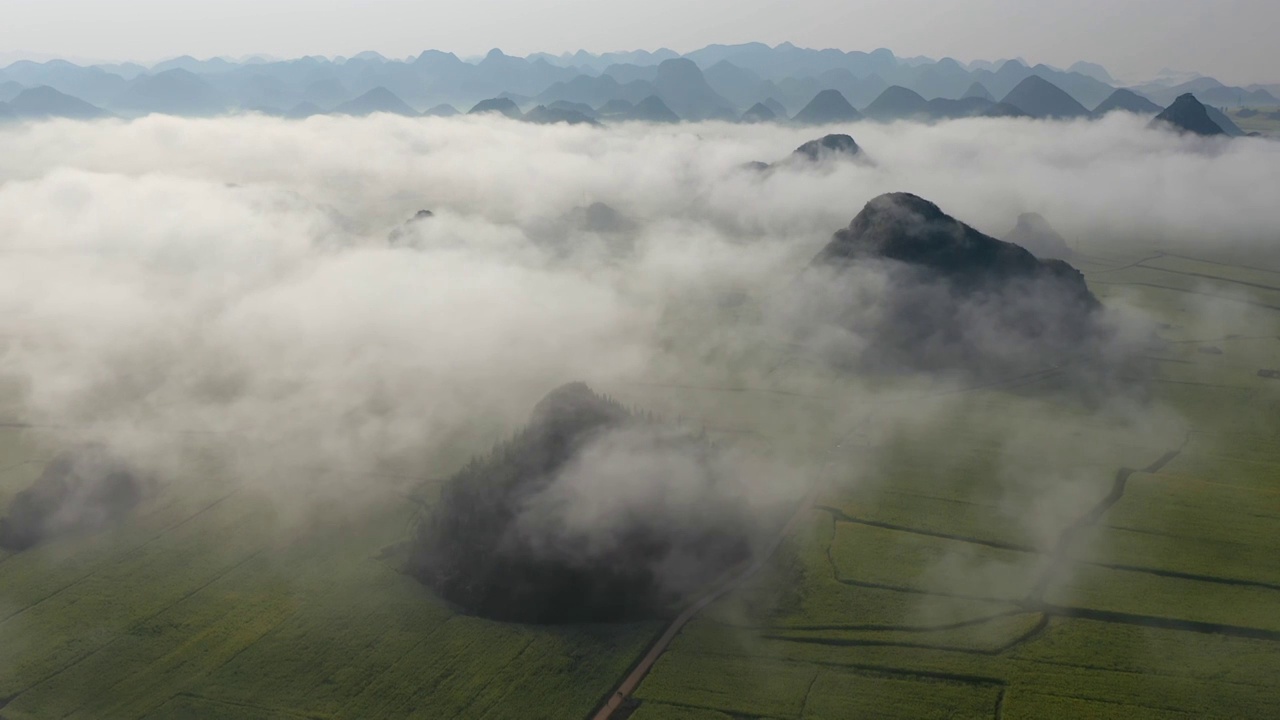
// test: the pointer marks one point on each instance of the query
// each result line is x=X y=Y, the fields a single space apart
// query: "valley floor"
x=1146 y=589
x=1008 y=557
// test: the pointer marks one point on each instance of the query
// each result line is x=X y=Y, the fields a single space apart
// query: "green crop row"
x=981 y=635
x=799 y=590
x=1168 y=598
x=737 y=685
x=1199 y=510
x=1138 y=650
x=899 y=559
x=836 y=695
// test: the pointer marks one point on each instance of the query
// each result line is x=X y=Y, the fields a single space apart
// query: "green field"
x=1003 y=555
x=206 y=608
x=1260 y=123
x=1146 y=587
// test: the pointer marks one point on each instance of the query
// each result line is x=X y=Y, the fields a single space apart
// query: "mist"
x=227 y=286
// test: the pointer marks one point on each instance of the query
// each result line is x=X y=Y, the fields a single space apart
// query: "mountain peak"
x=1126 y=101
x=44 y=102
x=978 y=90
x=1093 y=70
x=828 y=106
x=651 y=109
x=828 y=146
x=682 y=68
x=944 y=273
x=908 y=228
x=1033 y=233
x=683 y=88
x=377 y=100
x=1040 y=98
x=759 y=113
x=1187 y=114
x=503 y=105
x=896 y=103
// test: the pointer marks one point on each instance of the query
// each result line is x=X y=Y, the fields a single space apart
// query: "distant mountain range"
x=718 y=82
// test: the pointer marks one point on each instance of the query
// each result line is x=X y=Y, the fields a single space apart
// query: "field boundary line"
x=1165 y=712
x=1222 y=264
x=216 y=623
x=1039 y=629
x=1228 y=338
x=1178 y=575
x=1058 y=555
x=1189 y=292
x=492 y=678
x=841 y=516
x=804 y=706
x=880 y=628
x=835 y=576
x=393 y=663
x=920 y=591
x=1214 y=278
x=870 y=669
x=1041 y=625
x=1189 y=383
x=1135 y=263
x=251 y=706
x=734 y=578
x=159 y=534
x=1139 y=620
x=126 y=632
x=1147 y=673
x=1183 y=477
x=692 y=706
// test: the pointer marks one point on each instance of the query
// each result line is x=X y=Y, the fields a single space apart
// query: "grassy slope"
x=916 y=594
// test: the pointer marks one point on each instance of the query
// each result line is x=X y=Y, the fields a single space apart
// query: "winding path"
x=731 y=581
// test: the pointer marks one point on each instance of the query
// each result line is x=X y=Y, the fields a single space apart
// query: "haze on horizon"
x=1227 y=39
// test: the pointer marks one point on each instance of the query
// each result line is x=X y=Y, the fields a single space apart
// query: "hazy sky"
x=1231 y=39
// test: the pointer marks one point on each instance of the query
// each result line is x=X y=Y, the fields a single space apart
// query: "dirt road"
x=734 y=579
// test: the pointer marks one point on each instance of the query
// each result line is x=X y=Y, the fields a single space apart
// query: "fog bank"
x=232 y=278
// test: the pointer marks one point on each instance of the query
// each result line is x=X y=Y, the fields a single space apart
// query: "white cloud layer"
x=234 y=276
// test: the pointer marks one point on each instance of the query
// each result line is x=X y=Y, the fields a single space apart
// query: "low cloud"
x=231 y=280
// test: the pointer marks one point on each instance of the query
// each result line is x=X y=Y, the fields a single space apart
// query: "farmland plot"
x=1155 y=597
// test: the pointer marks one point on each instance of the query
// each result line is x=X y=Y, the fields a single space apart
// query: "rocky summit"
x=827 y=147
x=1188 y=115
x=953 y=297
